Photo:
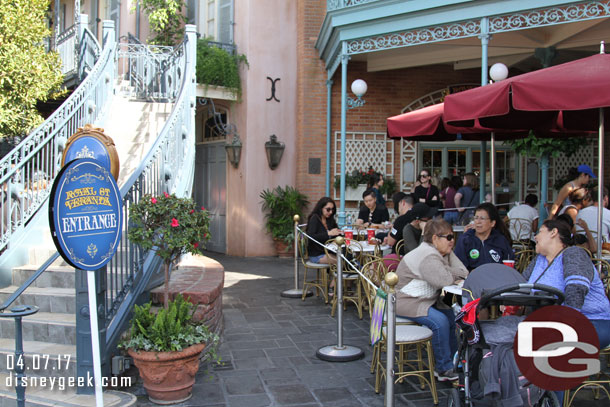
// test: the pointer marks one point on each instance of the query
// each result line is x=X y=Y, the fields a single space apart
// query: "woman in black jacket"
x=321 y=226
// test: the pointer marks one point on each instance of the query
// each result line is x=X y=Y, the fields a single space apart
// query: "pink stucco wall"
x=271 y=52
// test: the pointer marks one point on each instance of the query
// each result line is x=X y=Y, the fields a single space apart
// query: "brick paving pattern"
x=269 y=345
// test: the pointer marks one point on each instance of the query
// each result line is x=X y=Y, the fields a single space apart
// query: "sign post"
x=86 y=221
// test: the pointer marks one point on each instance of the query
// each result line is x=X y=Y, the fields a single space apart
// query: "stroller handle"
x=514 y=287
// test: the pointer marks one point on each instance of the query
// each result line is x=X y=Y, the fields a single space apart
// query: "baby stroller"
x=489 y=375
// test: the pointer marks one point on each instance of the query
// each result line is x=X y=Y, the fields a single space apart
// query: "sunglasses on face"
x=424 y=175
x=328 y=209
x=449 y=237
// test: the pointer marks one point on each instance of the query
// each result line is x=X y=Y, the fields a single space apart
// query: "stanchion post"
x=391 y=279
x=340 y=352
x=296 y=292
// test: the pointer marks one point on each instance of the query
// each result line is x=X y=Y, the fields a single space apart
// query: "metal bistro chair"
x=522 y=236
x=352 y=287
x=319 y=281
x=605 y=267
x=523 y=258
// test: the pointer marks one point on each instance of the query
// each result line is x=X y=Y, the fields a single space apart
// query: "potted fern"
x=166 y=343
x=280 y=205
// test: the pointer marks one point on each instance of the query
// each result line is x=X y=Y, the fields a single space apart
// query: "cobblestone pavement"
x=269 y=346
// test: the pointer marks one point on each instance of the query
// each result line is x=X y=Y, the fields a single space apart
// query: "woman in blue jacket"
x=486 y=241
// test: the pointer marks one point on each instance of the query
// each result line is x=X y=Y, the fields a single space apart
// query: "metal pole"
x=544 y=184
x=329 y=89
x=19 y=363
x=296 y=292
x=391 y=280
x=340 y=352
x=600 y=182
x=95 y=339
x=344 y=59
x=484 y=37
x=492 y=167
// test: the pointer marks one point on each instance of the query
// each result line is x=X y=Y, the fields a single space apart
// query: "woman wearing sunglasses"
x=321 y=226
x=487 y=240
x=422 y=273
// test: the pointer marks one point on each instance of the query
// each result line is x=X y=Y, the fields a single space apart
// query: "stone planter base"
x=283 y=249
x=168 y=376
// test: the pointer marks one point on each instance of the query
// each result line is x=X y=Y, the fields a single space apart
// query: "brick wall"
x=388 y=92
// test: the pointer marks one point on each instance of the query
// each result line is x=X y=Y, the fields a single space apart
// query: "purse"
x=419 y=289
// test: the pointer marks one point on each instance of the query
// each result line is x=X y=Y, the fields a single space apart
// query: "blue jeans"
x=451 y=216
x=316 y=259
x=602 y=326
x=444 y=341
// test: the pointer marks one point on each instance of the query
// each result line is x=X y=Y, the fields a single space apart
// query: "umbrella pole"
x=492 y=167
x=600 y=181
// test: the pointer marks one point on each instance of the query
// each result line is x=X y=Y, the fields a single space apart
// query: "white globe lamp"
x=498 y=72
x=359 y=87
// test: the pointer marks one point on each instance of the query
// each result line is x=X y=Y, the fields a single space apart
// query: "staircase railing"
x=65 y=45
x=26 y=173
x=78 y=49
x=168 y=167
x=148 y=69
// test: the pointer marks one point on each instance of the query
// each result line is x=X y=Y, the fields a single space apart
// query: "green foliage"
x=170 y=225
x=353 y=179
x=166 y=20
x=551 y=147
x=27 y=72
x=388 y=187
x=170 y=329
x=218 y=67
x=280 y=205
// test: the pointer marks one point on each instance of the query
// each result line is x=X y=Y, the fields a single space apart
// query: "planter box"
x=355 y=194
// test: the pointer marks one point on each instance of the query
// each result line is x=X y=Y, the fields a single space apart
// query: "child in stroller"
x=489 y=375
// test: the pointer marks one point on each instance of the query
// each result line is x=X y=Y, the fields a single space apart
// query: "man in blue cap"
x=580 y=177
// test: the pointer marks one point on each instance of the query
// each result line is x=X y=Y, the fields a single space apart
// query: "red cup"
x=509 y=263
x=370 y=234
x=349 y=235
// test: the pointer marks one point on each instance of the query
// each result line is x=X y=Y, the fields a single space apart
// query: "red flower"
x=192 y=211
x=196 y=245
x=153 y=200
x=175 y=223
x=166 y=194
x=203 y=208
x=205 y=235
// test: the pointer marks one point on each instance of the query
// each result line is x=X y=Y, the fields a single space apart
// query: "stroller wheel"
x=454 y=398
x=549 y=399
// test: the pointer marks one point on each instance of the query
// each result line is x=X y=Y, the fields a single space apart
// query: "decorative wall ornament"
x=337 y=4
x=273 y=81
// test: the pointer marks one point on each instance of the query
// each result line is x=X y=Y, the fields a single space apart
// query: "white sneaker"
x=447 y=375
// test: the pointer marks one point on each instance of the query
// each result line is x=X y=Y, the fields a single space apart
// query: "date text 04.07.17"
x=38 y=362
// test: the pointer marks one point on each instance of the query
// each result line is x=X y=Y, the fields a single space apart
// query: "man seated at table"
x=412 y=232
x=523 y=219
x=371 y=214
x=589 y=215
x=403 y=204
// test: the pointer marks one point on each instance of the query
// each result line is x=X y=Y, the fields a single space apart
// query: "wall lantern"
x=234 y=151
x=359 y=88
x=274 y=150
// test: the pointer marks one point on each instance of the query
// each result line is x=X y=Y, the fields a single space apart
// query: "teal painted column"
x=344 y=59
x=484 y=37
x=544 y=186
x=329 y=88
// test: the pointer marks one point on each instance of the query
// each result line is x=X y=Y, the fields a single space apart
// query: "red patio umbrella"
x=535 y=99
x=572 y=95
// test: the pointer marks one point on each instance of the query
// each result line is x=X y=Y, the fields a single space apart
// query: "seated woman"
x=321 y=226
x=569 y=268
x=421 y=275
x=485 y=241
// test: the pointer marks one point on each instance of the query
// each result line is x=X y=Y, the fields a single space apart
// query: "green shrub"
x=218 y=67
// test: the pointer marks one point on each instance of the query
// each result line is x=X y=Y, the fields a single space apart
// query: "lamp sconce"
x=233 y=150
x=359 y=88
x=274 y=150
x=498 y=72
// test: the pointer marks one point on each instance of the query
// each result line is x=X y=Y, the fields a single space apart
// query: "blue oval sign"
x=86 y=214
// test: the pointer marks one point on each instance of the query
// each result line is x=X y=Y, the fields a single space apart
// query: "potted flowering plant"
x=166 y=343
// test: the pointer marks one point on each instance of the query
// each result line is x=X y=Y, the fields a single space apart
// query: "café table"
x=366 y=247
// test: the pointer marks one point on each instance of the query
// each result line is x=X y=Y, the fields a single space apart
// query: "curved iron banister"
x=26 y=172
x=168 y=167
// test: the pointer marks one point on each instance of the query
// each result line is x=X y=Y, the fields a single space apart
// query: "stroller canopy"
x=489 y=277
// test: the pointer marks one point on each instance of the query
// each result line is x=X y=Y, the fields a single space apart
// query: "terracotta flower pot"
x=168 y=376
x=283 y=249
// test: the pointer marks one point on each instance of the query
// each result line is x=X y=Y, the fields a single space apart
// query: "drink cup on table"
x=509 y=263
x=370 y=234
x=349 y=235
